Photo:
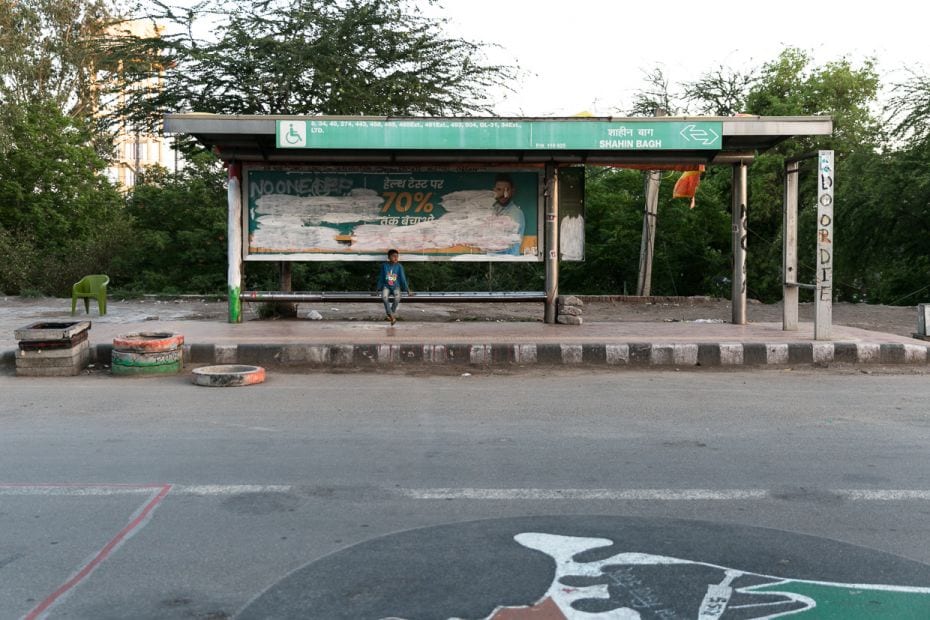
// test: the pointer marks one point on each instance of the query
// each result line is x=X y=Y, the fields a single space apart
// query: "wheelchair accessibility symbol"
x=293 y=134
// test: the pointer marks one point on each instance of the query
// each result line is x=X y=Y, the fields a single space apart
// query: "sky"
x=592 y=55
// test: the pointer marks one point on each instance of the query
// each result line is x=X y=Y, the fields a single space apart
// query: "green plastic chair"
x=90 y=287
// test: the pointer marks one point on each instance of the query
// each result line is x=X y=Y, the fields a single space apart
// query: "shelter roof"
x=255 y=138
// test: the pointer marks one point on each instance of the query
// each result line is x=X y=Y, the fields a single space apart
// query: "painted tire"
x=228 y=375
x=152 y=363
x=148 y=342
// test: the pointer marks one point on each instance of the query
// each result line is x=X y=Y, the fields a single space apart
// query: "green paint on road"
x=852 y=602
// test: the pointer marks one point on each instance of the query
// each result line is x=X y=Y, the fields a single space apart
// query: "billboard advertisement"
x=427 y=215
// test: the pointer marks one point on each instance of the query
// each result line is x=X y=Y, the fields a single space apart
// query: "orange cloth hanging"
x=686 y=186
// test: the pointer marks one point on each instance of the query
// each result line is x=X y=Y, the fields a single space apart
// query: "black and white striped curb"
x=633 y=354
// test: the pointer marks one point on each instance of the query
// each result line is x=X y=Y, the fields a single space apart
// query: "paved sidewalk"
x=375 y=344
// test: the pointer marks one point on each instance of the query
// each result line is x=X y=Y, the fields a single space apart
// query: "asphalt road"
x=153 y=498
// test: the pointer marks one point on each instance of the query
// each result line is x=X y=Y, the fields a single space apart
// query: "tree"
x=654 y=98
x=721 y=92
x=909 y=108
x=339 y=57
x=48 y=53
x=59 y=216
x=180 y=229
x=791 y=86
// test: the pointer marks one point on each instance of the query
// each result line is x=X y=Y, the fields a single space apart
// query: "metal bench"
x=372 y=297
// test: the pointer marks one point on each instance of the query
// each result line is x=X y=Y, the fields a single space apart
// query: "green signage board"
x=490 y=134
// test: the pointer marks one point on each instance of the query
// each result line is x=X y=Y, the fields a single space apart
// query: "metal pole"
x=789 y=275
x=738 y=291
x=650 y=213
x=551 y=234
x=823 y=303
x=234 y=242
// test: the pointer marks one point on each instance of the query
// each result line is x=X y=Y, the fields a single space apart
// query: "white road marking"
x=651 y=494
x=473 y=493
x=99 y=490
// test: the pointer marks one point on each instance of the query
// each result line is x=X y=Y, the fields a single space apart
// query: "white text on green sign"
x=486 y=134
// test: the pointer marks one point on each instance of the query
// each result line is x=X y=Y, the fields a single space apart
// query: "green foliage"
x=375 y=57
x=789 y=86
x=179 y=220
x=47 y=52
x=909 y=109
x=59 y=217
x=691 y=245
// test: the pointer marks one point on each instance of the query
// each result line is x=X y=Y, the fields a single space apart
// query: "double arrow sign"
x=704 y=136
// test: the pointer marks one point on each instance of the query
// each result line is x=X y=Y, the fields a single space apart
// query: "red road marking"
x=140 y=519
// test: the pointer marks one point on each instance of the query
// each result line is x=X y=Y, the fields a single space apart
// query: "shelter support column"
x=738 y=291
x=789 y=276
x=234 y=241
x=551 y=248
x=823 y=303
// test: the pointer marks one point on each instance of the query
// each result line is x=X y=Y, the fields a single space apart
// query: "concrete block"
x=35 y=364
x=800 y=353
x=892 y=354
x=572 y=353
x=50 y=354
x=708 y=355
x=480 y=354
x=48 y=330
x=640 y=353
x=548 y=354
x=524 y=353
x=343 y=354
x=617 y=354
x=915 y=354
x=388 y=353
x=411 y=353
x=594 y=353
x=63 y=371
x=318 y=355
x=776 y=353
x=73 y=341
x=822 y=352
x=225 y=354
x=200 y=353
x=363 y=354
x=673 y=355
x=755 y=354
x=435 y=353
x=868 y=353
x=731 y=354
x=846 y=352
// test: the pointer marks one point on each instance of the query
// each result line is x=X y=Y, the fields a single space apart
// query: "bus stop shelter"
x=300 y=174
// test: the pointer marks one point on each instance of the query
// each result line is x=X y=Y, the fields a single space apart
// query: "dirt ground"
x=901 y=320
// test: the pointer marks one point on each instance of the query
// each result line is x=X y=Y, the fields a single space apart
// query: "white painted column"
x=823 y=301
x=234 y=242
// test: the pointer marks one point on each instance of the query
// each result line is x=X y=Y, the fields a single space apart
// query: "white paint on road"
x=472 y=493
x=99 y=490
x=653 y=494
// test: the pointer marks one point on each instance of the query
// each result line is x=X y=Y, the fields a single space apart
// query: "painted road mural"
x=600 y=568
x=312 y=215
